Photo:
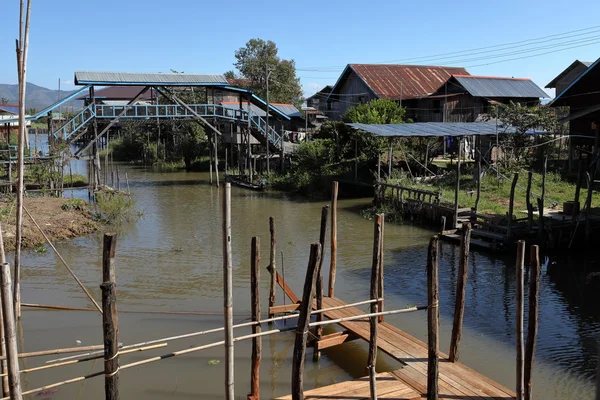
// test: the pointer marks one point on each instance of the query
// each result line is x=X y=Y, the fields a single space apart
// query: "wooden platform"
x=456 y=380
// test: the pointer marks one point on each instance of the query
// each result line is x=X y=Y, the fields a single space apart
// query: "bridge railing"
x=75 y=123
x=169 y=111
x=399 y=194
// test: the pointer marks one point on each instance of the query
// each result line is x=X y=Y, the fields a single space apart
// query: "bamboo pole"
x=433 y=320
x=3 y=363
x=110 y=318
x=541 y=201
x=156 y=312
x=511 y=205
x=59 y=351
x=461 y=292
x=519 y=323
x=22 y=52
x=373 y=323
x=272 y=263
x=380 y=295
x=228 y=294
x=532 y=324
x=90 y=358
x=333 y=261
x=255 y=305
x=10 y=335
x=303 y=322
x=63 y=261
x=319 y=284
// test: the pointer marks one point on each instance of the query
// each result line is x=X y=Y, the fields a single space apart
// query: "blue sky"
x=198 y=36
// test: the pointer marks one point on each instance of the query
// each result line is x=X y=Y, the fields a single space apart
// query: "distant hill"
x=36 y=96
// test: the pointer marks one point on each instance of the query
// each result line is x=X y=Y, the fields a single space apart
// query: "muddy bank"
x=58 y=222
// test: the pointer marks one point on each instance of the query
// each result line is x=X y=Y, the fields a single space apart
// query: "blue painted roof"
x=483 y=86
x=9 y=109
x=424 y=129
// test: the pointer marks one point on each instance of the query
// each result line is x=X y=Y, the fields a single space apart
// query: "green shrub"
x=114 y=208
x=76 y=180
x=74 y=204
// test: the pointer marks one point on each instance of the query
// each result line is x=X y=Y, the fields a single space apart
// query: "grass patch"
x=74 y=204
x=495 y=197
x=114 y=208
x=76 y=180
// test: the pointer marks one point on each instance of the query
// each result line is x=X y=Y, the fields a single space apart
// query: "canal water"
x=170 y=259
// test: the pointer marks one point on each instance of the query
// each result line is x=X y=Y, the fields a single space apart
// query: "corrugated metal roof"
x=579 y=87
x=234 y=105
x=490 y=86
x=403 y=81
x=424 y=129
x=571 y=67
x=9 y=108
x=129 y=78
x=120 y=93
x=288 y=109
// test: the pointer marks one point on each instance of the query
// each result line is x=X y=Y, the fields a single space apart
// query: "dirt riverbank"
x=58 y=222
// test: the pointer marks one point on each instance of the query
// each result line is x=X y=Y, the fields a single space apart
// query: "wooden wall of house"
x=463 y=108
x=352 y=91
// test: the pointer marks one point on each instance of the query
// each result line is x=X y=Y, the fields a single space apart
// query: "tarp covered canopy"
x=440 y=129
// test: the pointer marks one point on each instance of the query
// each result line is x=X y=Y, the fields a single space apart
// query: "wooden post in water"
x=210 y=158
x=578 y=188
x=272 y=262
x=319 y=284
x=380 y=275
x=476 y=208
x=457 y=187
x=227 y=293
x=10 y=335
x=255 y=306
x=216 y=155
x=303 y=320
x=110 y=319
x=443 y=225
x=511 y=206
x=373 y=323
x=528 y=200
x=433 y=320
x=3 y=363
x=333 y=261
x=532 y=325
x=461 y=292
x=519 y=323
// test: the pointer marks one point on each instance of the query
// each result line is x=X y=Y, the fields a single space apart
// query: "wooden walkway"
x=456 y=380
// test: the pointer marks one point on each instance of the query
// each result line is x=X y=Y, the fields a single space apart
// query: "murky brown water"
x=171 y=260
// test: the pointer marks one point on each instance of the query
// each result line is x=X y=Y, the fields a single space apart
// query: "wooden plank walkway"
x=456 y=380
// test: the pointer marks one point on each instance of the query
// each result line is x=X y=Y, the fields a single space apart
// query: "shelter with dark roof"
x=9 y=112
x=582 y=97
x=565 y=78
x=429 y=93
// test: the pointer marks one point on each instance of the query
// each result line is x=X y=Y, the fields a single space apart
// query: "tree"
x=524 y=118
x=378 y=111
x=259 y=56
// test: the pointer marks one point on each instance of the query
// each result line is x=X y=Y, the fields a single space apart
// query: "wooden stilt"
x=210 y=160
x=380 y=274
x=511 y=205
x=479 y=174
x=532 y=324
x=577 y=189
x=10 y=335
x=319 y=284
x=303 y=320
x=255 y=305
x=110 y=319
x=216 y=156
x=3 y=363
x=519 y=323
x=433 y=320
x=457 y=187
x=272 y=264
x=228 y=294
x=588 y=206
x=374 y=292
x=461 y=292
x=333 y=261
x=542 y=200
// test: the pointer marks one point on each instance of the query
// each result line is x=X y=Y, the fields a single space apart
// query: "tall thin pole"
x=519 y=324
x=22 y=50
x=461 y=292
x=497 y=150
x=228 y=289
x=433 y=320
x=333 y=261
x=272 y=264
x=374 y=292
x=110 y=318
x=319 y=284
x=255 y=306
x=3 y=364
x=10 y=335
x=532 y=325
x=457 y=188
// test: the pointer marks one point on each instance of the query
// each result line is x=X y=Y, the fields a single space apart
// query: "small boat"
x=242 y=181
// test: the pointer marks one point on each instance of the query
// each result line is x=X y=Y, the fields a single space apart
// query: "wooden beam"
x=335 y=339
x=287 y=290
x=283 y=309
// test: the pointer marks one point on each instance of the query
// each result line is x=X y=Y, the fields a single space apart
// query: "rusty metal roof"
x=405 y=82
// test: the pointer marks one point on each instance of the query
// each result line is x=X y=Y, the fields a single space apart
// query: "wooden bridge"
x=456 y=380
